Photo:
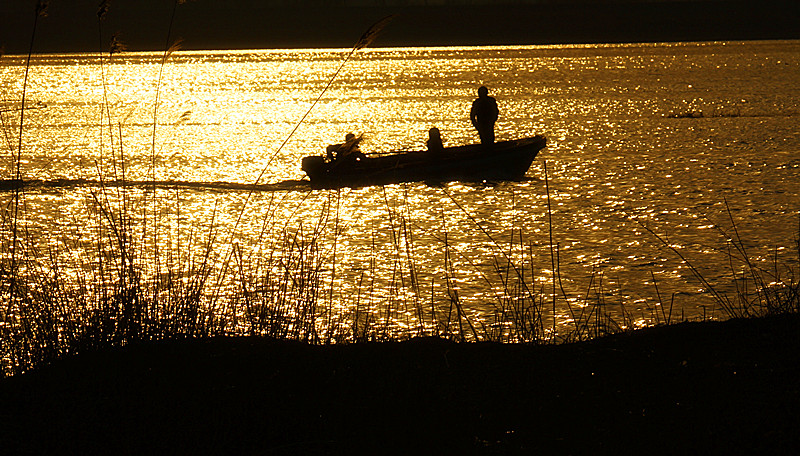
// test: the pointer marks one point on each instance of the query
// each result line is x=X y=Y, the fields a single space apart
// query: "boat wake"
x=8 y=185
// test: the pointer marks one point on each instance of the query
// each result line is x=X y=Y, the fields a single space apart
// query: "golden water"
x=660 y=135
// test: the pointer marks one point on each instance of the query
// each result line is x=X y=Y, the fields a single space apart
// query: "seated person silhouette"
x=349 y=148
x=434 y=140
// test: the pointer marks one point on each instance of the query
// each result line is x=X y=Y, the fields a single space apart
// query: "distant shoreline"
x=201 y=26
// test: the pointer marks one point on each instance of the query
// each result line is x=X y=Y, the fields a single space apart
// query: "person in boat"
x=434 y=140
x=348 y=148
x=484 y=114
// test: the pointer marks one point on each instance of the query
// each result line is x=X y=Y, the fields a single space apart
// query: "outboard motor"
x=313 y=166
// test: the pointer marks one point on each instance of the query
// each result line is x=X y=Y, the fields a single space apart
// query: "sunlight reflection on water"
x=662 y=135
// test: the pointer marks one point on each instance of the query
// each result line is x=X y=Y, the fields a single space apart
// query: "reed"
x=285 y=287
x=759 y=291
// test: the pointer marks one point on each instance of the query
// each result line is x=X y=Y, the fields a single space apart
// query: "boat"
x=501 y=161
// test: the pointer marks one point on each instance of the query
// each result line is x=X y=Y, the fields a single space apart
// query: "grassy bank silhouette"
x=705 y=387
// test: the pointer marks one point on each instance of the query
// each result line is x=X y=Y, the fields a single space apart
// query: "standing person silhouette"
x=483 y=115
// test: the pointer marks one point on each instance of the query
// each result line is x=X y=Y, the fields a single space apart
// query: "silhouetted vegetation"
x=135 y=282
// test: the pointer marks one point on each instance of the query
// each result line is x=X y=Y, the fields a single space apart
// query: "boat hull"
x=506 y=160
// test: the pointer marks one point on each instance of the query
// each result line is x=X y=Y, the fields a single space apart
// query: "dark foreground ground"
x=693 y=388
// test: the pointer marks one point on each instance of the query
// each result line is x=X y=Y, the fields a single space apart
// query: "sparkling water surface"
x=696 y=142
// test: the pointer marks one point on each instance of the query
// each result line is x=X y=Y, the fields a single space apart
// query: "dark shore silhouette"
x=71 y=25
x=690 y=388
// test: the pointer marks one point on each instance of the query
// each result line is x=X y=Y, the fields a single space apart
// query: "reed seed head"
x=116 y=45
x=41 y=8
x=176 y=46
x=102 y=9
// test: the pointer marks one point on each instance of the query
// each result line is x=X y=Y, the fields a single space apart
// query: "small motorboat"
x=504 y=160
